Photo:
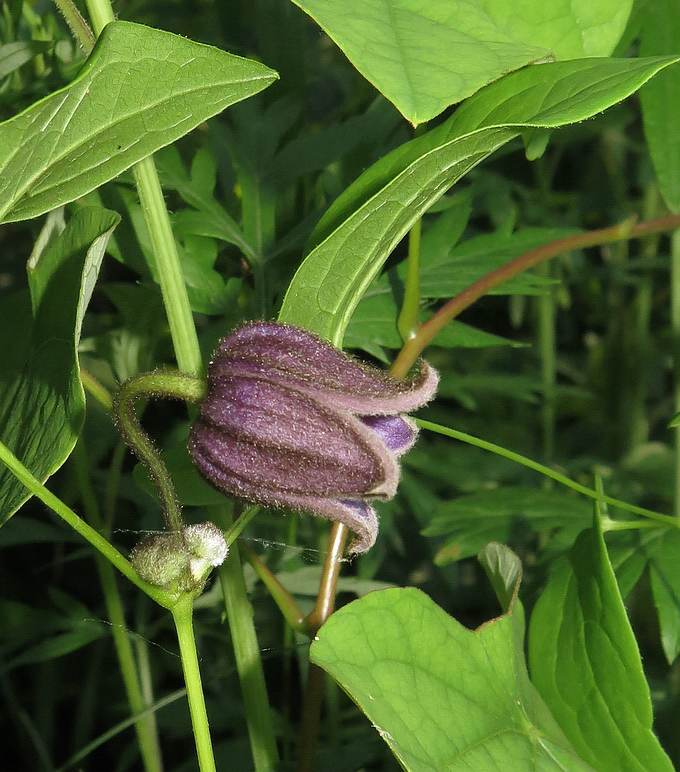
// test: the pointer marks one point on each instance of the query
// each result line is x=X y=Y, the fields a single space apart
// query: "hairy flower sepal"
x=180 y=561
x=290 y=421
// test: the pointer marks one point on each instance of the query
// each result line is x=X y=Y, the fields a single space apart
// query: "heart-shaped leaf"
x=444 y=698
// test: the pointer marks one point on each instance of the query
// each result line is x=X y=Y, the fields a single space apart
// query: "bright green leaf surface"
x=443 y=697
x=585 y=663
x=141 y=89
x=426 y=56
x=661 y=97
x=423 y=56
x=41 y=398
x=367 y=222
x=664 y=569
x=569 y=28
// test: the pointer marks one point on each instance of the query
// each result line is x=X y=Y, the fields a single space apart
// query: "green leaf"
x=476 y=257
x=444 y=698
x=373 y=325
x=664 y=569
x=41 y=397
x=208 y=218
x=504 y=570
x=140 y=89
x=426 y=56
x=661 y=97
x=585 y=663
x=471 y=521
x=14 y=55
x=87 y=631
x=367 y=222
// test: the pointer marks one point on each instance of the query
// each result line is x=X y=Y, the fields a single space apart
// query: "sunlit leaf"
x=140 y=89
x=586 y=664
x=444 y=698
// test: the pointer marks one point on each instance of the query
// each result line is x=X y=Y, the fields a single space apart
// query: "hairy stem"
x=158 y=384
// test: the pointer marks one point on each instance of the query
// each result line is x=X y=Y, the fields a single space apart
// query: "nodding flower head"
x=290 y=421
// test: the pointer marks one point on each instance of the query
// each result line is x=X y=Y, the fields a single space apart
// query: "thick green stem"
x=407 y=324
x=248 y=664
x=101 y=14
x=182 y=614
x=168 y=268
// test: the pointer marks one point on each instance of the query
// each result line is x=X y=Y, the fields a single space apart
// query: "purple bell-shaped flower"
x=291 y=421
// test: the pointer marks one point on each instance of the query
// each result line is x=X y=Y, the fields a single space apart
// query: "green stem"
x=414 y=347
x=158 y=384
x=236 y=529
x=146 y=730
x=546 y=347
x=280 y=595
x=407 y=324
x=182 y=614
x=560 y=478
x=168 y=268
x=80 y=526
x=248 y=664
x=78 y=26
x=101 y=14
x=314 y=688
x=675 y=326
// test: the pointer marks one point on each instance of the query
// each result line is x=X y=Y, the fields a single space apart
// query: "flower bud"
x=180 y=559
x=290 y=421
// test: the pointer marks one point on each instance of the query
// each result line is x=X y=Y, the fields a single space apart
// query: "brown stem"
x=413 y=348
x=325 y=601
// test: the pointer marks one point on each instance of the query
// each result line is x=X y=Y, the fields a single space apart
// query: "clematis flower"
x=291 y=421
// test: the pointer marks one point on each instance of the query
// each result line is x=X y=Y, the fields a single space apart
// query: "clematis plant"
x=291 y=421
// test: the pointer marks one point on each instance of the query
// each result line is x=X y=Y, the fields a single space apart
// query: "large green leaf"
x=359 y=231
x=41 y=397
x=140 y=90
x=445 y=698
x=661 y=97
x=585 y=662
x=664 y=569
x=426 y=56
